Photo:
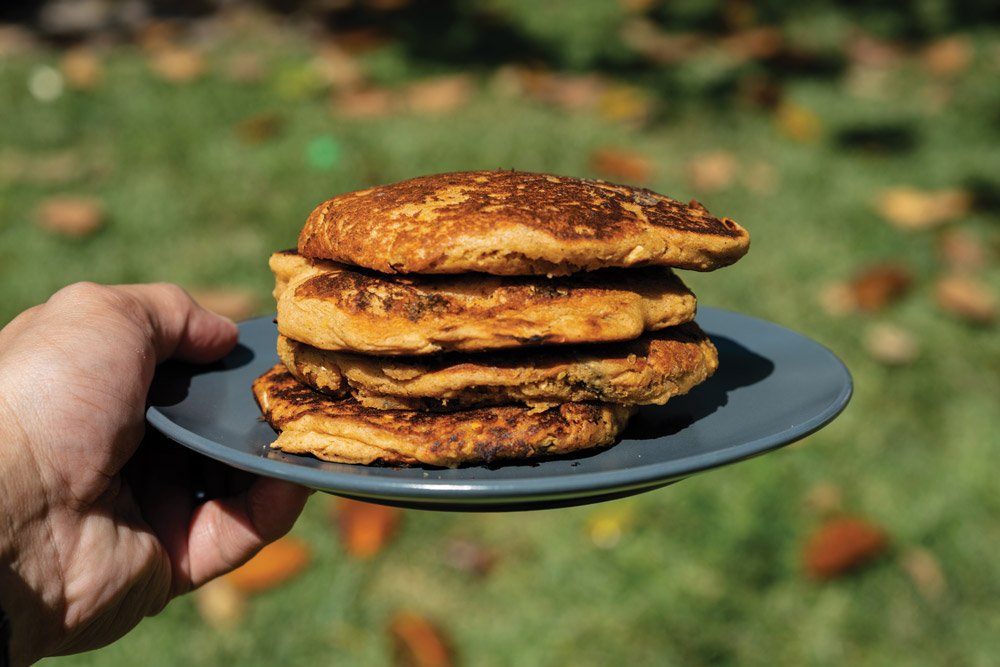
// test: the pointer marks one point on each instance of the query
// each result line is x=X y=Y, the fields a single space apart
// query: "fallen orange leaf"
x=365 y=528
x=948 y=56
x=621 y=164
x=841 y=545
x=967 y=298
x=273 y=565
x=418 y=643
x=75 y=217
x=875 y=287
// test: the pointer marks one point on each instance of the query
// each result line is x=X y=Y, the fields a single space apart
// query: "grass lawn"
x=706 y=571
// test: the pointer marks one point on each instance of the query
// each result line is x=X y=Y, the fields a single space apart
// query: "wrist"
x=24 y=549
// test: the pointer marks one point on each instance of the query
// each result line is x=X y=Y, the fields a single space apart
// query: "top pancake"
x=517 y=223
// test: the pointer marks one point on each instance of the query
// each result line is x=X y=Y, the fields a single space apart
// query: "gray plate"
x=772 y=388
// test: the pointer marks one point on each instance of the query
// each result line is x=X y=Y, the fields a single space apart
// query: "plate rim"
x=439 y=493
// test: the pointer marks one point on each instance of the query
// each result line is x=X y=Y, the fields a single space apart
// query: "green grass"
x=708 y=570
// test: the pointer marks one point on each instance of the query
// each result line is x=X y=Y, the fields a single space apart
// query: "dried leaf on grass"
x=365 y=528
x=260 y=128
x=364 y=103
x=948 y=56
x=842 y=545
x=798 y=122
x=245 y=67
x=581 y=92
x=754 y=44
x=361 y=39
x=273 y=565
x=621 y=164
x=419 y=643
x=178 y=64
x=75 y=217
x=623 y=103
x=220 y=604
x=891 y=345
x=662 y=48
x=82 y=69
x=925 y=571
x=471 y=557
x=713 y=171
x=157 y=35
x=46 y=168
x=825 y=498
x=232 y=302
x=967 y=298
x=438 y=95
x=909 y=208
x=877 y=286
x=962 y=251
x=338 y=67
x=869 y=51
x=16 y=40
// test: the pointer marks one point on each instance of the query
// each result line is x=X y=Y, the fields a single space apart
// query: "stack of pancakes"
x=477 y=316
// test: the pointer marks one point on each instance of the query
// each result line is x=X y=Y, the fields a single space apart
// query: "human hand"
x=97 y=532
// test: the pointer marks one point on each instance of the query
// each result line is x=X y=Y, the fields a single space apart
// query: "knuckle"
x=82 y=291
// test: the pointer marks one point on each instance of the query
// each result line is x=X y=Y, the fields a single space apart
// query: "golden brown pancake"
x=343 y=431
x=649 y=370
x=334 y=307
x=517 y=223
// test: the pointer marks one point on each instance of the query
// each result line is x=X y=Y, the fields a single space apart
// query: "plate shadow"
x=172 y=381
x=738 y=367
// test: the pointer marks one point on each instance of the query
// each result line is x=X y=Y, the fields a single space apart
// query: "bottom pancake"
x=343 y=431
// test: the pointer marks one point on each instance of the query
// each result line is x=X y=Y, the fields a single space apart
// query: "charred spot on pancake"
x=424 y=304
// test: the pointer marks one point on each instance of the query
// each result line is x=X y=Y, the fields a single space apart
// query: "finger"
x=225 y=533
x=179 y=327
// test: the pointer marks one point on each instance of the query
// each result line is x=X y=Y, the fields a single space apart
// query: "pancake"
x=335 y=307
x=517 y=223
x=343 y=431
x=649 y=370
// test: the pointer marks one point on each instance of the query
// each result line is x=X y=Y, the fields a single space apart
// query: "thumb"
x=179 y=327
x=224 y=533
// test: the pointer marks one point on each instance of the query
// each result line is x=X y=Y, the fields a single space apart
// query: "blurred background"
x=859 y=142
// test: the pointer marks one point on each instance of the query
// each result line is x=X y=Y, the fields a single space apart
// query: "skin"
x=100 y=527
